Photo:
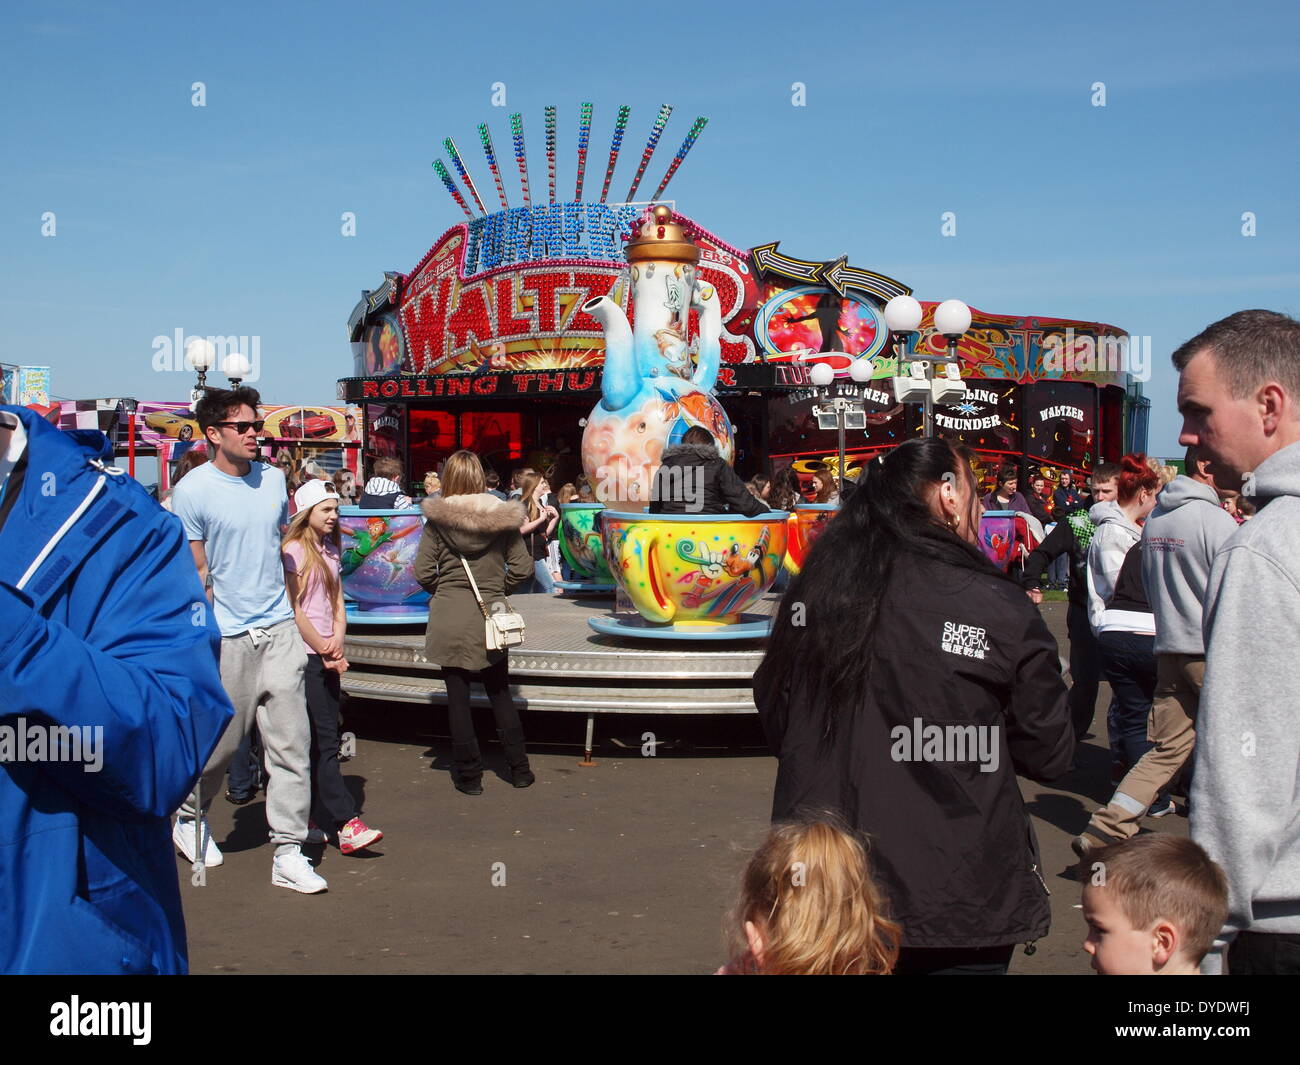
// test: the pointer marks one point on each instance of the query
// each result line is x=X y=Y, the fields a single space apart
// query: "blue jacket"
x=102 y=623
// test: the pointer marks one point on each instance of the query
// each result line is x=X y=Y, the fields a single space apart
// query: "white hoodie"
x=1110 y=543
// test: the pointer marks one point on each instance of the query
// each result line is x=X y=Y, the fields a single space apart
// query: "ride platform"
x=565 y=666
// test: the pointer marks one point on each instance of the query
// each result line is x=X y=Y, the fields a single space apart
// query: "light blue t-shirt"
x=239 y=519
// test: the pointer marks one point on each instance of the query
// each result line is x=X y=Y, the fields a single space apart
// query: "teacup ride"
x=377 y=566
x=584 y=550
x=691 y=576
x=806 y=522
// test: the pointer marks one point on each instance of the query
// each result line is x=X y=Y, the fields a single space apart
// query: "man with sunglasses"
x=234 y=509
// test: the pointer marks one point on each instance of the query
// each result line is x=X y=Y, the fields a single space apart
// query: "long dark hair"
x=785 y=494
x=824 y=637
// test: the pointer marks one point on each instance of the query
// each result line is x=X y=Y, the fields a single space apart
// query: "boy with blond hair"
x=1154 y=905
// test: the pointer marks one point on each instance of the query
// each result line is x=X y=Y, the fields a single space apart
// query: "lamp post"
x=236 y=367
x=200 y=356
x=952 y=318
x=821 y=376
x=128 y=408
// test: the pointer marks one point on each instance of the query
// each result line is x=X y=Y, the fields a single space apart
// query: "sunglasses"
x=242 y=427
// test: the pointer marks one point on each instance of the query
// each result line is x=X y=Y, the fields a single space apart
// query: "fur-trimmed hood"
x=690 y=454
x=469 y=523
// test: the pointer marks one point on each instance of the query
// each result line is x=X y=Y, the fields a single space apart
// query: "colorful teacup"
x=580 y=542
x=694 y=569
x=806 y=522
x=378 y=560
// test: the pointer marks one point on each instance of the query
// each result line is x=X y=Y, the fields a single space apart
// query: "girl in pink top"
x=310 y=553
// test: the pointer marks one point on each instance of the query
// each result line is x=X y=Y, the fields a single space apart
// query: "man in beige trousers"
x=1179 y=542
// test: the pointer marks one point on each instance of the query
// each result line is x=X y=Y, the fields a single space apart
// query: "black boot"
x=521 y=774
x=468 y=768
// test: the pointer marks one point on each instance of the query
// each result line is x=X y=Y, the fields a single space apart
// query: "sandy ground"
x=627 y=867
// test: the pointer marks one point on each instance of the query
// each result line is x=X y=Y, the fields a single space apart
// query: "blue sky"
x=225 y=219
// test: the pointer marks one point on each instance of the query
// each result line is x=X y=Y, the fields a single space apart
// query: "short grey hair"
x=1250 y=348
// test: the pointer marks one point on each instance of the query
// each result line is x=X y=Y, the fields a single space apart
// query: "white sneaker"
x=294 y=871
x=183 y=837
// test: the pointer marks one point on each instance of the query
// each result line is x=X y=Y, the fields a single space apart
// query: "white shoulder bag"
x=501 y=629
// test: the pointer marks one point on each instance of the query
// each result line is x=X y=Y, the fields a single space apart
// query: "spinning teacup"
x=698 y=570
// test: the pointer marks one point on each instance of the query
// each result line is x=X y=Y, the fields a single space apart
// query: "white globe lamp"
x=903 y=314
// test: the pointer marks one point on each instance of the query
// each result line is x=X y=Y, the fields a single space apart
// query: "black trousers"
x=496 y=681
x=1085 y=669
x=1264 y=954
x=973 y=961
x=331 y=803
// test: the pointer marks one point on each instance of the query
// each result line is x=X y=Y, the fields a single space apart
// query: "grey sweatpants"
x=262 y=672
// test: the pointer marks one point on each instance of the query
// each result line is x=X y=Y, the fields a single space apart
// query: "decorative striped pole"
x=450 y=145
x=620 y=124
x=550 y=151
x=584 y=134
x=517 y=135
x=447 y=181
x=656 y=131
x=687 y=144
x=485 y=138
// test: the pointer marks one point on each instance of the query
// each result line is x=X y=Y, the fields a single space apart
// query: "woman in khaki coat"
x=471 y=523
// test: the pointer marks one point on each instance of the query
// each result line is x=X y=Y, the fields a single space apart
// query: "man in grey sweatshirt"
x=1239 y=394
x=1179 y=542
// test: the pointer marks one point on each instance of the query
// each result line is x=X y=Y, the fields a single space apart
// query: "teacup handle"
x=650 y=601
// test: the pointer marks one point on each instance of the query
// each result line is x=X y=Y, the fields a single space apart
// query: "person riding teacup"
x=694 y=479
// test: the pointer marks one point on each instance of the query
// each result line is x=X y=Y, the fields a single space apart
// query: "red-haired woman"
x=1118 y=612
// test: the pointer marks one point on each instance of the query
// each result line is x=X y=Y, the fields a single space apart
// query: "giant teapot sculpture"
x=651 y=392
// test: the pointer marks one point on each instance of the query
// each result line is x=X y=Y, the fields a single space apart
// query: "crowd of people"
x=906 y=684
x=1177 y=606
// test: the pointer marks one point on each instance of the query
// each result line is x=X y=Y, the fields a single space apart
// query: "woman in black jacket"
x=905 y=684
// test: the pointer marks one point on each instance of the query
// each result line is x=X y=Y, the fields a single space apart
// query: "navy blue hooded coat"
x=102 y=623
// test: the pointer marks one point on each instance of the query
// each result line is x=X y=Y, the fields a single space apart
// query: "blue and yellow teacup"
x=580 y=542
x=694 y=569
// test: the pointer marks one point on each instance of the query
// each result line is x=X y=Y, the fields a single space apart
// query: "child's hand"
x=333 y=647
x=339 y=664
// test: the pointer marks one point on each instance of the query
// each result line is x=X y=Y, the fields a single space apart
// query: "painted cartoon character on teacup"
x=717 y=585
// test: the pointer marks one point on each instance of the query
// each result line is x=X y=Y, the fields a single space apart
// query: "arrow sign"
x=769 y=261
x=835 y=274
x=841 y=277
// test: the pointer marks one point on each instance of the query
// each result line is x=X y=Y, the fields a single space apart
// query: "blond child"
x=1153 y=905
x=310 y=553
x=808 y=906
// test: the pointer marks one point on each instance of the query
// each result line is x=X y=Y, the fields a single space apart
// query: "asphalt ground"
x=625 y=867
